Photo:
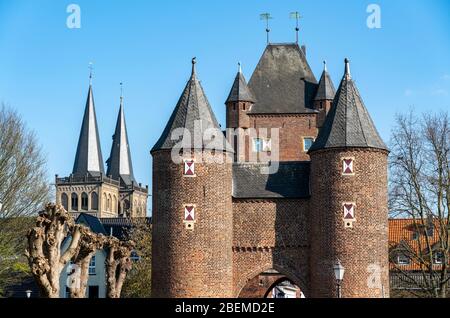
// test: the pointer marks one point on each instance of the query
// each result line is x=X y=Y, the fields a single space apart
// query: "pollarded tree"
x=118 y=264
x=89 y=244
x=43 y=250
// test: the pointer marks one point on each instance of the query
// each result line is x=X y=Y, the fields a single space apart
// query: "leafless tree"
x=118 y=264
x=89 y=244
x=45 y=257
x=23 y=191
x=419 y=189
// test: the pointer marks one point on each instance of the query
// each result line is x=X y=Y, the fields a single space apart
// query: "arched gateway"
x=227 y=225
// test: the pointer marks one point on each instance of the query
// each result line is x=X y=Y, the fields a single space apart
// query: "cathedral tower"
x=192 y=208
x=349 y=213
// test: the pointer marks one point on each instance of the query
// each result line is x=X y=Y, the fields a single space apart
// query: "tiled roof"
x=401 y=232
x=193 y=113
x=290 y=181
x=240 y=92
x=326 y=90
x=348 y=124
x=283 y=81
x=119 y=227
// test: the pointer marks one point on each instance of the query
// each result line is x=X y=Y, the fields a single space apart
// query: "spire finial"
x=239 y=67
x=267 y=17
x=347 y=68
x=91 y=67
x=194 y=61
x=325 y=66
x=295 y=15
x=121 y=93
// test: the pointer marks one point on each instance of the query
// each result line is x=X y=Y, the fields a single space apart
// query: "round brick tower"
x=192 y=209
x=349 y=213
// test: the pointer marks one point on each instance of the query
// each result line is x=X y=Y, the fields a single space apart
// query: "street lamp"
x=339 y=275
x=28 y=292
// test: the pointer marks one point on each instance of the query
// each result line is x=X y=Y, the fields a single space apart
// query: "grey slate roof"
x=240 y=90
x=119 y=227
x=193 y=112
x=92 y=222
x=119 y=163
x=291 y=181
x=88 y=158
x=283 y=82
x=326 y=90
x=348 y=124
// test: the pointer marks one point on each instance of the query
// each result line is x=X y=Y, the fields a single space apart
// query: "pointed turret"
x=348 y=123
x=324 y=95
x=325 y=90
x=193 y=113
x=119 y=162
x=240 y=92
x=88 y=159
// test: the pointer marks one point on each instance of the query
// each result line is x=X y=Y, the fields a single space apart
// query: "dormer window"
x=438 y=258
x=403 y=259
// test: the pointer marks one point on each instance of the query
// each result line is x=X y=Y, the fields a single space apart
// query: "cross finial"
x=295 y=15
x=267 y=17
x=91 y=68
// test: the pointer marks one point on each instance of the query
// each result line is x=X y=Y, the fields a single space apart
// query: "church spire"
x=88 y=158
x=119 y=162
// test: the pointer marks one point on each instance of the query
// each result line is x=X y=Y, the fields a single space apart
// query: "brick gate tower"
x=349 y=213
x=192 y=209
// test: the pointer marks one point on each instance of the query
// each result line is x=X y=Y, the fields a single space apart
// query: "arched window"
x=114 y=204
x=109 y=202
x=74 y=202
x=94 y=201
x=105 y=203
x=65 y=201
x=84 y=201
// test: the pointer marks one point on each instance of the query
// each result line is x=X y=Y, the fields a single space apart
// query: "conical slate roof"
x=240 y=92
x=348 y=123
x=326 y=90
x=88 y=158
x=283 y=81
x=119 y=162
x=194 y=114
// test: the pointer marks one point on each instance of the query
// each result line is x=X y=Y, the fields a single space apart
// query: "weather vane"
x=295 y=15
x=266 y=17
x=121 y=90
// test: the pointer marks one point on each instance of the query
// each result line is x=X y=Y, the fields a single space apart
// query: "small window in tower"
x=234 y=106
x=307 y=143
x=243 y=106
x=349 y=210
x=84 y=201
x=320 y=105
x=74 y=202
x=189 y=168
x=262 y=145
x=189 y=216
x=348 y=166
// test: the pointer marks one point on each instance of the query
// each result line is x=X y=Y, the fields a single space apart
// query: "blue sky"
x=149 y=44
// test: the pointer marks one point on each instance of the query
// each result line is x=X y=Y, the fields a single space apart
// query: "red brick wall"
x=270 y=234
x=189 y=263
x=361 y=246
x=292 y=129
x=237 y=114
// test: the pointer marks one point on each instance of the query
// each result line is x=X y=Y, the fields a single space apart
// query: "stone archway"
x=263 y=283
